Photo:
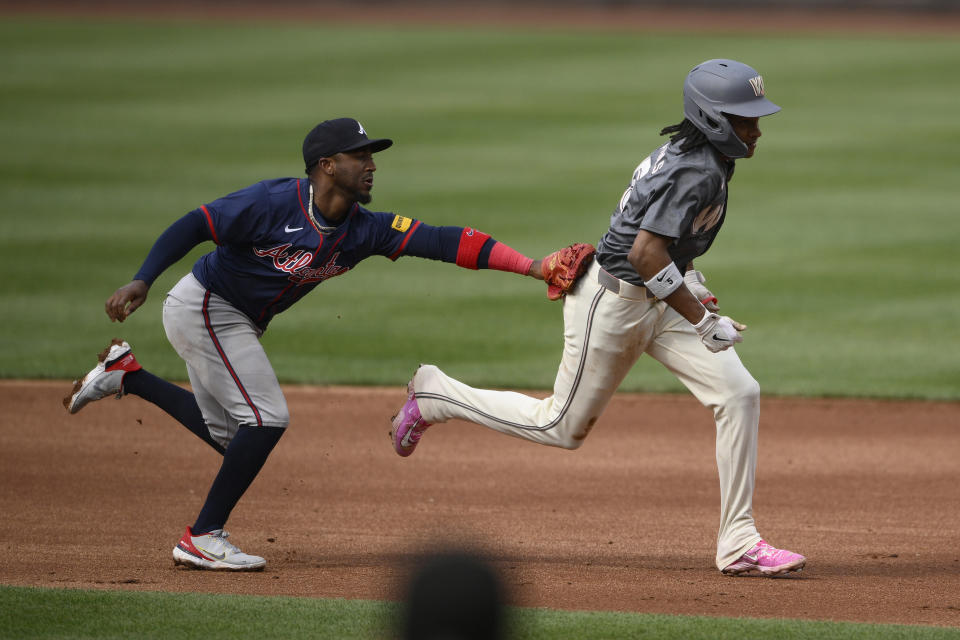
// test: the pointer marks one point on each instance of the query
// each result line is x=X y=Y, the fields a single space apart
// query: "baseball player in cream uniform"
x=642 y=294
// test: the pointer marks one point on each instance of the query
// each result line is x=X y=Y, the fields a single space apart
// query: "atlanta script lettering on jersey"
x=296 y=264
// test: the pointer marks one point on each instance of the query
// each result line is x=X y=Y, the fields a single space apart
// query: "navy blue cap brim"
x=375 y=145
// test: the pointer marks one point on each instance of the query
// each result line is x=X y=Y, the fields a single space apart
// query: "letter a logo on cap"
x=365 y=133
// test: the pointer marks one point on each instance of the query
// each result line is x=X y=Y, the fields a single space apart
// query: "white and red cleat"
x=105 y=379
x=212 y=551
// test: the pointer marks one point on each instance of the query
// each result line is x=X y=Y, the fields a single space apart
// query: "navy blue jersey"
x=270 y=253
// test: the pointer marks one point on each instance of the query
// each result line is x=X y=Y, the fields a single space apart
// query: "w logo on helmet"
x=757 y=84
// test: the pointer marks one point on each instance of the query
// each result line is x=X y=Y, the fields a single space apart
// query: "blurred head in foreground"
x=453 y=596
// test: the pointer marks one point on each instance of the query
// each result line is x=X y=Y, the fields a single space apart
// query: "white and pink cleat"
x=408 y=425
x=768 y=560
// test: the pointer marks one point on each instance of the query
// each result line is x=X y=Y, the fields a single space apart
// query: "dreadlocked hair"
x=687 y=134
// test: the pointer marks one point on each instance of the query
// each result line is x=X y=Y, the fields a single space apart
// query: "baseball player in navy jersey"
x=642 y=294
x=275 y=241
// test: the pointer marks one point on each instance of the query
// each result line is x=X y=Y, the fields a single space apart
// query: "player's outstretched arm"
x=473 y=249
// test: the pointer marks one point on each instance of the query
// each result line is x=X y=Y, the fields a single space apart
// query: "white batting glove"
x=694 y=281
x=719 y=332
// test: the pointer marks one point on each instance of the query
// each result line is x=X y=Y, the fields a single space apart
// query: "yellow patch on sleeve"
x=400 y=223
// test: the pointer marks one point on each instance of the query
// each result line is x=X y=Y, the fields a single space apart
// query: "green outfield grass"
x=840 y=250
x=103 y=615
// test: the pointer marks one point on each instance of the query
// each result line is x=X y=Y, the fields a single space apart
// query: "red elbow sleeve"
x=471 y=242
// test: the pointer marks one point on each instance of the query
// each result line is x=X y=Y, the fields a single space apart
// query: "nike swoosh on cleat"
x=211 y=555
x=405 y=440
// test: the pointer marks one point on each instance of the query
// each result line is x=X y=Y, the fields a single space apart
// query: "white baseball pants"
x=604 y=335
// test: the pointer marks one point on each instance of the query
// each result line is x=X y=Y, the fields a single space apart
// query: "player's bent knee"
x=571 y=444
x=570 y=435
x=745 y=390
x=562 y=441
x=751 y=390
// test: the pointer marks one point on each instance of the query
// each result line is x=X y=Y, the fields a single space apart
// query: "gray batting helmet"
x=716 y=87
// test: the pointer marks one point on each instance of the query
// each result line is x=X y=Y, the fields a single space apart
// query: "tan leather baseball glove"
x=561 y=268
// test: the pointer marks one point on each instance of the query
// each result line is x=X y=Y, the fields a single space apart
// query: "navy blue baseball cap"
x=338 y=136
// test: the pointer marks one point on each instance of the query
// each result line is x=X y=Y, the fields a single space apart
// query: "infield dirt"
x=867 y=490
